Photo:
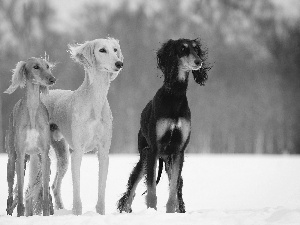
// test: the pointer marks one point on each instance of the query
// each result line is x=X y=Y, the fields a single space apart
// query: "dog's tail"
x=160 y=168
x=34 y=191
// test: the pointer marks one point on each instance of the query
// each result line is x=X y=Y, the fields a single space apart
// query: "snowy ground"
x=218 y=190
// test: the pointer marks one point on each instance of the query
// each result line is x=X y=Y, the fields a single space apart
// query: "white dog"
x=82 y=118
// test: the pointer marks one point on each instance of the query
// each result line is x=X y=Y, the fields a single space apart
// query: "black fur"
x=165 y=124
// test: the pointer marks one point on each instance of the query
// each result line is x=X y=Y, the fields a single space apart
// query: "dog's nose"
x=52 y=80
x=198 y=62
x=119 y=64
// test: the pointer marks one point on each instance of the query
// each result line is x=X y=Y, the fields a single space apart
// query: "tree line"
x=250 y=103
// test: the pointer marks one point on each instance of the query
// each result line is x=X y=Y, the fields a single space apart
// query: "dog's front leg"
x=76 y=159
x=103 y=160
x=31 y=194
x=174 y=173
x=46 y=179
x=105 y=129
x=151 y=198
x=20 y=177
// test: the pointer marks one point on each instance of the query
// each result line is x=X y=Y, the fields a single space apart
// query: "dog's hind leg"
x=76 y=159
x=62 y=154
x=174 y=167
x=125 y=202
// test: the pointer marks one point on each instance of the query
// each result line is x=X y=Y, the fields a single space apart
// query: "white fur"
x=162 y=126
x=84 y=117
x=31 y=138
x=166 y=124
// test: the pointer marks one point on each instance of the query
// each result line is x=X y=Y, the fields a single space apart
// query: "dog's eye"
x=102 y=50
x=183 y=49
x=115 y=50
x=47 y=66
x=197 y=49
x=36 y=67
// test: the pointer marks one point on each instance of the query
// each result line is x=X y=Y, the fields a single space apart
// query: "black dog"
x=166 y=124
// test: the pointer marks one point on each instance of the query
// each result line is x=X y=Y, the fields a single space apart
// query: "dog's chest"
x=90 y=127
x=165 y=125
x=31 y=140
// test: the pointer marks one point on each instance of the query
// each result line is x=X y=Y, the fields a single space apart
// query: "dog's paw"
x=9 y=209
x=100 y=208
x=77 y=208
x=20 y=210
x=151 y=201
x=180 y=207
x=123 y=205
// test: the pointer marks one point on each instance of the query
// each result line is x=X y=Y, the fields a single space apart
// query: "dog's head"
x=185 y=55
x=34 y=70
x=101 y=54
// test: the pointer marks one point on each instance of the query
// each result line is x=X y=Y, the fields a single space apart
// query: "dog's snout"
x=52 y=80
x=119 y=64
x=198 y=62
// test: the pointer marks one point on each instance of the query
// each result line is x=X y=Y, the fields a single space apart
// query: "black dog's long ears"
x=167 y=60
x=200 y=76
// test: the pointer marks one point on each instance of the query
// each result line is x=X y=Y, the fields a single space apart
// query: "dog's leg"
x=11 y=163
x=20 y=177
x=124 y=204
x=181 y=206
x=103 y=170
x=62 y=154
x=46 y=179
x=103 y=159
x=35 y=184
x=174 y=172
x=10 y=149
x=76 y=159
x=10 y=180
x=151 y=198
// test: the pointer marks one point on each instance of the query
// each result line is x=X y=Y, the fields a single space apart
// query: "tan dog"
x=28 y=131
x=82 y=118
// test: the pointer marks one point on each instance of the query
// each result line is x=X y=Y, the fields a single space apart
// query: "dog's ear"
x=166 y=57
x=119 y=53
x=18 y=78
x=83 y=53
x=200 y=76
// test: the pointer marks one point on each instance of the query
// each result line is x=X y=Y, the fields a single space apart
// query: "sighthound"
x=166 y=124
x=28 y=132
x=82 y=119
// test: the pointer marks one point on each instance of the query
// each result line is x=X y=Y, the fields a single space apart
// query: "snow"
x=218 y=190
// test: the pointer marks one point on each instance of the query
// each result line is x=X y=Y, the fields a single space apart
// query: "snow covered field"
x=218 y=190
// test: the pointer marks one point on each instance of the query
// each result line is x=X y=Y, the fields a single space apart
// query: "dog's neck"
x=177 y=86
x=32 y=99
x=95 y=85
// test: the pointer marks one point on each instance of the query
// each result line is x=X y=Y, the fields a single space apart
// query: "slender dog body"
x=166 y=125
x=28 y=131
x=82 y=119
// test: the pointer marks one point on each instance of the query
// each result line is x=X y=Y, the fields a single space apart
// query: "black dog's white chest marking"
x=165 y=124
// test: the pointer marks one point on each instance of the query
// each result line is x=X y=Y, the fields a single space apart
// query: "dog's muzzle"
x=119 y=64
x=198 y=62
